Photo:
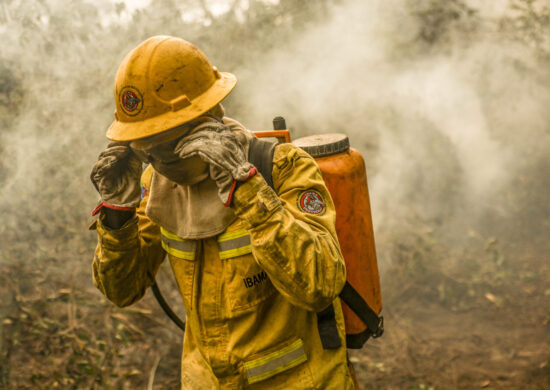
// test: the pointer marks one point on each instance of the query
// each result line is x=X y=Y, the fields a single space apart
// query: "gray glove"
x=116 y=176
x=216 y=145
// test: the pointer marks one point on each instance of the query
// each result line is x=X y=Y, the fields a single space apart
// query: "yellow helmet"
x=163 y=83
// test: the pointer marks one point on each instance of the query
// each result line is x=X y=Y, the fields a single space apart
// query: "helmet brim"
x=131 y=131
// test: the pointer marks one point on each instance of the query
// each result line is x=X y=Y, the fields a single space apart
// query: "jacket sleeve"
x=292 y=230
x=126 y=260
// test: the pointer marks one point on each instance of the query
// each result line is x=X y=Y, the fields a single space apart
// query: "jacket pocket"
x=284 y=367
x=247 y=283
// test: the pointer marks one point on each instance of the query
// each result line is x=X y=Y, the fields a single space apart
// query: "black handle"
x=279 y=123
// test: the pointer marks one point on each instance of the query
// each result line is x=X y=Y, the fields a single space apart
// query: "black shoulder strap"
x=375 y=323
x=360 y=307
x=260 y=154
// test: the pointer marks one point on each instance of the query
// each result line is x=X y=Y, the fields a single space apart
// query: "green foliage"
x=438 y=19
x=530 y=25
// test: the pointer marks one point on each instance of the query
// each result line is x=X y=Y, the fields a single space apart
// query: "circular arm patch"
x=311 y=202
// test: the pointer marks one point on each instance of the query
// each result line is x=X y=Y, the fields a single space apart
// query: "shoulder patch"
x=145 y=182
x=144 y=190
x=311 y=202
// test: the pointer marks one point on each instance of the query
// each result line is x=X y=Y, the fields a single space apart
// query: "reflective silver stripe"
x=234 y=244
x=265 y=367
x=177 y=246
x=186 y=246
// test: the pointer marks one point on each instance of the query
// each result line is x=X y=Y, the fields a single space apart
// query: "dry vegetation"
x=466 y=277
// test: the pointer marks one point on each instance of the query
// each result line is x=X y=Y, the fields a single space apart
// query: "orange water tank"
x=345 y=175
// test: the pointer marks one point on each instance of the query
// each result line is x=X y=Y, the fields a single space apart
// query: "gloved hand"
x=216 y=145
x=116 y=176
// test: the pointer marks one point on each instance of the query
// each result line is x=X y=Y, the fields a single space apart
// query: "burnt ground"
x=429 y=347
x=488 y=330
x=494 y=335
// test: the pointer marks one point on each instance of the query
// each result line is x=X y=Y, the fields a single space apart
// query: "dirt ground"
x=64 y=334
x=498 y=340
x=428 y=347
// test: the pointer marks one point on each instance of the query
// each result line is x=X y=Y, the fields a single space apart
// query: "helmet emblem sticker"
x=311 y=202
x=131 y=100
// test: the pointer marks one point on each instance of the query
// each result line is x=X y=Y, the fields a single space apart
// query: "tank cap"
x=322 y=145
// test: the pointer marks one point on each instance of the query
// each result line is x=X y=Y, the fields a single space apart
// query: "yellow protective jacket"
x=250 y=294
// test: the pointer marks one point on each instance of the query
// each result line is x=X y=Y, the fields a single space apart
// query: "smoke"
x=444 y=117
x=440 y=128
x=447 y=100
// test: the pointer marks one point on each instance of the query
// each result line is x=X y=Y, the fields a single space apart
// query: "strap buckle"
x=380 y=329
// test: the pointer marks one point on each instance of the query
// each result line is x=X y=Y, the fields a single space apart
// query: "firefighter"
x=254 y=264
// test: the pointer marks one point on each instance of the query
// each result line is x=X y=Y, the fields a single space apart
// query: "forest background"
x=447 y=100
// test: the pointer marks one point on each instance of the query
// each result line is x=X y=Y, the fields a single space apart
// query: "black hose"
x=167 y=309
